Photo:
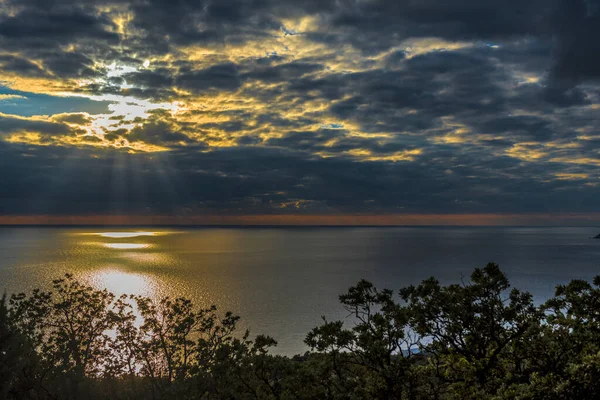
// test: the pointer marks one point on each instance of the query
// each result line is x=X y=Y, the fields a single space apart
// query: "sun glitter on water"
x=120 y=282
x=126 y=246
x=121 y=235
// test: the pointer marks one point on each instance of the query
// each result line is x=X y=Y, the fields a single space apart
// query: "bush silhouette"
x=475 y=340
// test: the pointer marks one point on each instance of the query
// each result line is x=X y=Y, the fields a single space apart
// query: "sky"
x=304 y=112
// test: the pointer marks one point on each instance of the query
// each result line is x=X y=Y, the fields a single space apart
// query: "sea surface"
x=281 y=281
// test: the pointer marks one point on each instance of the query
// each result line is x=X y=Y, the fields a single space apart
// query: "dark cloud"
x=374 y=26
x=42 y=24
x=340 y=141
x=70 y=65
x=304 y=140
x=283 y=72
x=564 y=94
x=203 y=22
x=414 y=98
x=217 y=77
x=78 y=119
x=10 y=125
x=41 y=32
x=155 y=79
x=12 y=64
x=159 y=25
x=386 y=106
x=523 y=127
x=578 y=50
x=259 y=180
x=159 y=130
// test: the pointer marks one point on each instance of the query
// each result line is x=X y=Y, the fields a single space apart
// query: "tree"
x=472 y=328
x=475 y=340
x=17 y=361
x=68 y=327
x=375 y=357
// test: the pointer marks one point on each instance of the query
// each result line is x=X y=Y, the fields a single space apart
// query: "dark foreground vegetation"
x=475 y=340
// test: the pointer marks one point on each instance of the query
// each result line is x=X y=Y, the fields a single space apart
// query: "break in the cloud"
x=263 y=107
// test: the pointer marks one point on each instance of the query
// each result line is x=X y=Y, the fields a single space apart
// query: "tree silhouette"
x=480 y=339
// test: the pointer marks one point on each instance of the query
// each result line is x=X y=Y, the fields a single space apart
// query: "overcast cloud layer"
x=188 y=107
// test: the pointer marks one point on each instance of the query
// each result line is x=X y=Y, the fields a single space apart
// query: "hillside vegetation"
x=476 y=340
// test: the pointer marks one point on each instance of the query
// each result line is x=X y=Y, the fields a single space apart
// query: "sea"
x=283 y=281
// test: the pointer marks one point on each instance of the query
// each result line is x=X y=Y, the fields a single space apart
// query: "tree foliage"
x=480 y=339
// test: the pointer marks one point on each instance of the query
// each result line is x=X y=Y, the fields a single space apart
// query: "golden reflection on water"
x=125 y=234
x=130 y=276
x=146 y=258
x=121 y=235
x=126 y=246
x=120 y=282
x=255 y=273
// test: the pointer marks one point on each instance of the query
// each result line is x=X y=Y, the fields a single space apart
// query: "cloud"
x=10 y=124
x=158 y=132
x=261 y=180
x=17 y=65
x=578 y=52
x=217 y=77
x=41 y=23
x=5 y=97
x=267 y=107
x=70 y=65
x=76 y=118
